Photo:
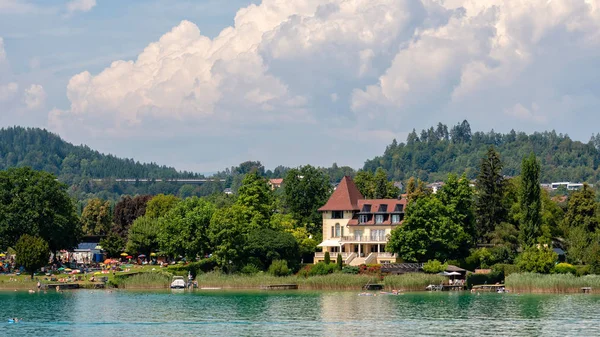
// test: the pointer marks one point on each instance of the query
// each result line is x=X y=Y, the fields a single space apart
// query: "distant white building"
x=569 y=186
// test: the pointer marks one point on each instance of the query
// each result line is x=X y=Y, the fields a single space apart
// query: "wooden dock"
x=280 y=287
x=488 y=287
x=63 y=286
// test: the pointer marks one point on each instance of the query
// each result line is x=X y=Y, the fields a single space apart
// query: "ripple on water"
x=102 y=313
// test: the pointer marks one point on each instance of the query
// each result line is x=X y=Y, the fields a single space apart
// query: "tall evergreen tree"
x=530 y=201
x=489 y=208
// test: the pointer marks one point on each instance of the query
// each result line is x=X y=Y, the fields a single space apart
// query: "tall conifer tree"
x=489 y=209
x=530 y=201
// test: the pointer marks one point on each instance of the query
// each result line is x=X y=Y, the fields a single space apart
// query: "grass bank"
x=551 y=283
x=336 y=281
x=148 y=280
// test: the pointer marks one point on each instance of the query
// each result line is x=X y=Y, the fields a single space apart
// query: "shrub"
x=305 y=271
x=339 y=261
x=537 y=260
x=327 y=258
x=322 y=268
x=491 y=278
x=565 y=268
x=505 y=269
x=194 y=268
x=350 y=270
x=279 y=268
x=370 y=269
x=582 y=270
x=250 y=269
x=434 y=266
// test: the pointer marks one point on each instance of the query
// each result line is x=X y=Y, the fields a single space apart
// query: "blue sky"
x=203 y=85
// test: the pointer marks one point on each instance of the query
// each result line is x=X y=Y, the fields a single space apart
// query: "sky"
x=205 y=85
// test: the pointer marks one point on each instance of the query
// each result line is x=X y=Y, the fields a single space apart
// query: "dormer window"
x=382 y=209
x=396 y=218
x=363 y=218
x=366 y=209
x=379 y=218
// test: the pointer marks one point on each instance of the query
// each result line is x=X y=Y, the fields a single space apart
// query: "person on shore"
x=39 y=285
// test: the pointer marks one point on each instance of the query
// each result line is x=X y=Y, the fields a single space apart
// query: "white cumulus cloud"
x=80 y=5
x=8 y=91
x=381 y=66
x=34 y=97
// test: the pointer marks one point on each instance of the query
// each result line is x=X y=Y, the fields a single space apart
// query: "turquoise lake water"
x=210 y=313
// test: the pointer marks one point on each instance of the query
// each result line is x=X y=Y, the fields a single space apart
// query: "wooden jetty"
x=280 y=287
x=586 y=290
x=487 y=287
x=63 y=286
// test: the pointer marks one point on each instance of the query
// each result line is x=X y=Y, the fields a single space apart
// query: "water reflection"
x=103 y=313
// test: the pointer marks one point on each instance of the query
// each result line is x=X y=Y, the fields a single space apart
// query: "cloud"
x=34 y=97
x=369 y=67
x=16 y=7
x=2 y=51
x=8 y=91
x=80 y=6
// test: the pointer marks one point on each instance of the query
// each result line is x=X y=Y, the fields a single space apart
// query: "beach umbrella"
x=107 y=261
x=129 y=257
x=453 y=273
x=97 y=273
x=124 y=254
x=141 y=256
x=68 y=269
x=61 y=268
x=2 y=255
x=152 y=254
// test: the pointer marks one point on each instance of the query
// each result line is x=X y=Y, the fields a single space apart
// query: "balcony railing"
x=366 y=238
x=332 y=255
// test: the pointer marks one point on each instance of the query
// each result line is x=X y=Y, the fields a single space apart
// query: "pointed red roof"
x=344 y=198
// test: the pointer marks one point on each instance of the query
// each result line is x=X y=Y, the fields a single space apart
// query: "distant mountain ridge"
x=440 y=150
x=43 y=150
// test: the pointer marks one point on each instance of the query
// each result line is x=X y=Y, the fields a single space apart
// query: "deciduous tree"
x=96 y=217
x=32 y=253
x=160 y=204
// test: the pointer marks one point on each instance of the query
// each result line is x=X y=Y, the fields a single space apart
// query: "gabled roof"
x=344 y=198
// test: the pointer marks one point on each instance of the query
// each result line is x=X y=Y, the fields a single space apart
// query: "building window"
x=379 y=218
x=378 y=235
x=363 y=218
x=338 y=232
x=337 y=214
x=395 y=218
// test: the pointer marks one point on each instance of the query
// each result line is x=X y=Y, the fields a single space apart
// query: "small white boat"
x=178 y=282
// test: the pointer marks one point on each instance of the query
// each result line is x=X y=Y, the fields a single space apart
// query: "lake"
x=299 y=313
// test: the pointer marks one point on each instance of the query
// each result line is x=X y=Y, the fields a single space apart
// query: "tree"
x=376 y=186
x=415 y=189
x=142 y=237
x=127 y=210
x=339 y=261
x=160 y=204
x=113 y=244
x=96 y=217
x=537 y=260
x=458 y=196
x=32 y=253
x=228 y=231
x=304 y=191
x=582 y=210
x=35 y=203
x=530 y=201
x=267 y=245
x=429 y=232
x=184 y=230
x=256 y=195
x=489 y=208
x=434 y=267
x=327 y=258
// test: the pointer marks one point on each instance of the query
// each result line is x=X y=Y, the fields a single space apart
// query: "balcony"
x=365 y=239
x=333 y=256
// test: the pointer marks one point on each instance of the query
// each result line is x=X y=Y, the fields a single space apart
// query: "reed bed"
x=151 y=280
x=412 y=281
x=551 y=283
x=336 y=281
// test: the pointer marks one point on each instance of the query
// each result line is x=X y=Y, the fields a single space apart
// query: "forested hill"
x=43 y=150
x=437 y=151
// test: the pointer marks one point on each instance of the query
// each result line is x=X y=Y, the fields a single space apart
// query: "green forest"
x=435 y=152
x=429 y=156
